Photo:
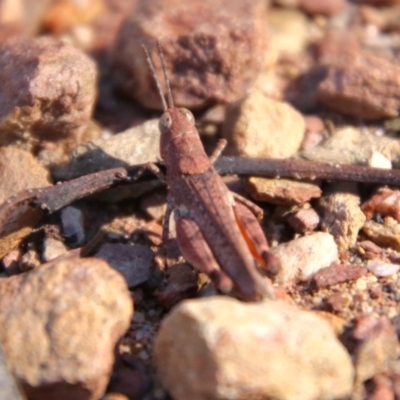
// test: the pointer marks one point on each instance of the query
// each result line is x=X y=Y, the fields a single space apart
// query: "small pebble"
x=381 y=268
x=378 y=160
x=72 y=226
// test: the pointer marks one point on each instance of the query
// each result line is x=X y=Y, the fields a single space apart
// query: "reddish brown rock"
x=281 y=191
x=181 y=284
x=370 y=247
x=337 y=46
x=385 y=201
x=76 y=311
x=48 y=93
x=377 y=346
x=108 y=23
x=18 y=171
x=335 y=302
x=363 y=86
x=337 y=273
x=213 y=50
x=327 y=7
x=304 y=220
x=379 y=3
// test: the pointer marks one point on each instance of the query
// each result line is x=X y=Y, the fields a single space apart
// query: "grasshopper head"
x=174 y=124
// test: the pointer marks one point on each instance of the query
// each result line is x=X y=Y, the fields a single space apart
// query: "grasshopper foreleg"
x=218 y=150
x=154 y=169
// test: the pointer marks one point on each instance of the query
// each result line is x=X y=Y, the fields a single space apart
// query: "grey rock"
x=133 y=262
x=72 y=226
x=8 y=386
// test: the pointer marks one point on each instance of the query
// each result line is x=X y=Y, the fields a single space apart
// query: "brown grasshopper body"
x=216 y=230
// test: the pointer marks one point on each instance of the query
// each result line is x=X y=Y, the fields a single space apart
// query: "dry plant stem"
x=55 y=197
x=302 y=169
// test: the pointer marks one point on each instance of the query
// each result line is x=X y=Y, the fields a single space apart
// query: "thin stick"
x=302 y=169
x=153 y=72
x=169 y=93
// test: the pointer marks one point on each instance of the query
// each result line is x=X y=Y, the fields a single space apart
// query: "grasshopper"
x=217 y=230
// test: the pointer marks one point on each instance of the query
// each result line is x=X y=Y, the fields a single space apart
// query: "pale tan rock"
x=59 y=325
x=341 y=216
x=301 y=258
x=52 y=248
x=22 y=16
x=64 y=14
x=154 y=204
x=48 y=93
x=219 y=348
x=213 y=50
x=378 y=160
x=18 y=171
x=257 y=126
x=288 y=30
x=281 y=191
x=134 y=146
x=350 y=145
x=337 y=323
x=385 y=235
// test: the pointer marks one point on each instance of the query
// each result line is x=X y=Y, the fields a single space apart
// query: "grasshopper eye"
x=188 y=115
x=165 y=122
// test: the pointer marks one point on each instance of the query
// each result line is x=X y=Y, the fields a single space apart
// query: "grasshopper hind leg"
x=255 y=238
x=196 y=251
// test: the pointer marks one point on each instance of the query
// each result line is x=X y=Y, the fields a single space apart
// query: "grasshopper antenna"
x=169 y=93
x=153 y=72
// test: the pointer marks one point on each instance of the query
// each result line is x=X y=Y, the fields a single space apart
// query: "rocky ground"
x=89 y=306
